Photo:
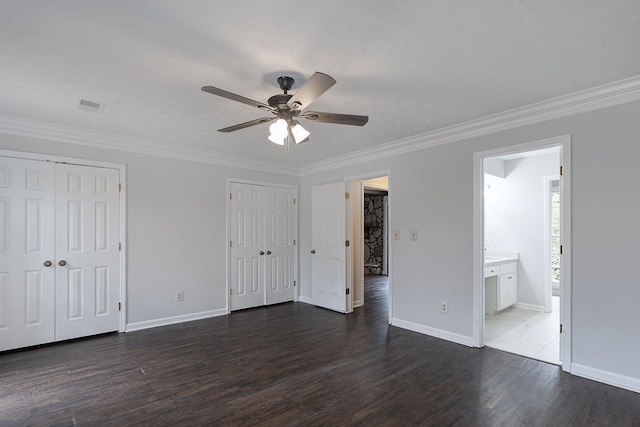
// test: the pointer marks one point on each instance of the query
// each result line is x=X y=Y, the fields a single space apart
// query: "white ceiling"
x=411 y=66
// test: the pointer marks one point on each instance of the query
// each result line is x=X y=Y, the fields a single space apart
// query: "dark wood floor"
x=295 y=364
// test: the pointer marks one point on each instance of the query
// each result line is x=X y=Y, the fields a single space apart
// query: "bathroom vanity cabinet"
x=501 y=284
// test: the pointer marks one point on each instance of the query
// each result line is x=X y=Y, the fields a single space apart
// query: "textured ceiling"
x=411 y=66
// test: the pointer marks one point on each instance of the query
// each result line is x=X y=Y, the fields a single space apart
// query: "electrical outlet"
x=396 y=234
x=179 y=296
x=444 y=307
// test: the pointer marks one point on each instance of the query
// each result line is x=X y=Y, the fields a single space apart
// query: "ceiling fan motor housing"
x=286 y=83
x=279 y=102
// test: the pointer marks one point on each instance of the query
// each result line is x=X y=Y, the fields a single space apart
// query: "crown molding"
x=608 y=95
x=68 y=134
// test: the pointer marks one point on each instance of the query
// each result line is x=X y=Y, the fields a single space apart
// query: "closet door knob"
x=261 y=252
x=48 y=263
x=268 y=252
x=313 y=251
x=62 y=263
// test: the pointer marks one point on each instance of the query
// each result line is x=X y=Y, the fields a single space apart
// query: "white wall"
x=176 y=229
x=431 y=191
x=515 y=220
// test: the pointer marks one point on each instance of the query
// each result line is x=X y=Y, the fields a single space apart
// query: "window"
x=555 y=231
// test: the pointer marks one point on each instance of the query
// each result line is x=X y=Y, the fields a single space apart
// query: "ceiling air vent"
x=90 y=106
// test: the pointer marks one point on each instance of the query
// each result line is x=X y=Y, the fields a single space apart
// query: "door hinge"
x=119 y=306
x=230 y=196
x=294 y=283
x=294 y=201
x=230 y=244
x=560 y=327
x=119 y=186
x=294 y=242
x=346 y=195
x=119 y=246
x=348 y=291
x=560 y=249
x=346 y=243
x=230 y=291
x=561 y=170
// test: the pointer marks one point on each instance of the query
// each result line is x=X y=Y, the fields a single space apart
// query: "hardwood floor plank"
x=295 y=364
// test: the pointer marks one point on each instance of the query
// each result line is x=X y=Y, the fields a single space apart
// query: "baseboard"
x=306 y=300
x=174 y=319
x=616 y=380
x=437 y=333
x=529 y=307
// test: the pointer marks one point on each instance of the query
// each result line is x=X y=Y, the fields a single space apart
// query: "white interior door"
x=328 y=259
x=247 y=251
x=279 y=253
x=26 y=252
x=87 y=253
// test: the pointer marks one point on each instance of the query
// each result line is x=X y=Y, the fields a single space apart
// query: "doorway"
x=337 y=243
x=515 y=194
x=370 y=255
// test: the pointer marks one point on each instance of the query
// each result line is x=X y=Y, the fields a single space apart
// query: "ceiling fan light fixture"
x=276 y=140
x=300 y=134
x=287 y=108
x=279 y=129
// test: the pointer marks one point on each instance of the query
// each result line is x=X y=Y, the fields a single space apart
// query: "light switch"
x=396 y=234
x=414 y=234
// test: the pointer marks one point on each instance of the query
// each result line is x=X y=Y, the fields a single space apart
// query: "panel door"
x=247 y=249
x=279 y=245
x=328 y=259
x=87 y=253
x=26 y=244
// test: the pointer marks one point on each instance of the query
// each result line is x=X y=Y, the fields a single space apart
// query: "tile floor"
x=528 y=333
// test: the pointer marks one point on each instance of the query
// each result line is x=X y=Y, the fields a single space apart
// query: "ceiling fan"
x=286 y=109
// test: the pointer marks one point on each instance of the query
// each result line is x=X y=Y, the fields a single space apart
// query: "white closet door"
x=279 y=245
x=247 y=246
x=87 y=253
x=26 y=244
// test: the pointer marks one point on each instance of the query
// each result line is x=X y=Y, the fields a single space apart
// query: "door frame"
x=564 y=143
x=122 y=279
x=354 y=210
x=296 y=288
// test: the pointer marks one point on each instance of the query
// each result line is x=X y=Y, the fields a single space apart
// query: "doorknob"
x=313 y=251
x=62 y=263
x=268 y=252
x=48 y=263
x=261 y=252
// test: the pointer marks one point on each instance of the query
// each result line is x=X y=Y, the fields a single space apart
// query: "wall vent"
x=90 y=106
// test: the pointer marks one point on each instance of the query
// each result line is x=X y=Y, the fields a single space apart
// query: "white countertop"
x=497 y=258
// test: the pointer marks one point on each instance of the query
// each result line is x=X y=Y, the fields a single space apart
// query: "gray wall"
x=176 y=228
x=432 y=191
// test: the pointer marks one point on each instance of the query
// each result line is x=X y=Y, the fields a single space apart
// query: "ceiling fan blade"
x=340 y=119
x=234 y=97
x=247 y=124
x=317 y=84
